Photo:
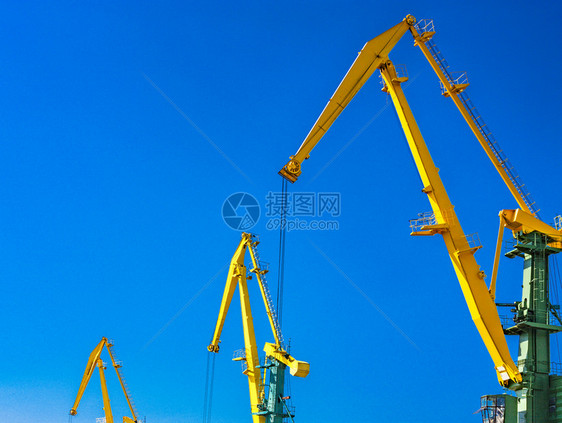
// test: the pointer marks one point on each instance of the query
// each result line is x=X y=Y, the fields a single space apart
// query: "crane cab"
x=498 y=408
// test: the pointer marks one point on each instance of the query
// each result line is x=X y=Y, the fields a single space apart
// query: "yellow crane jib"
x=94 y=361
x=371 y=56
x=237 y=276
x=518 y=220
x=521 y=221
x=296 y=367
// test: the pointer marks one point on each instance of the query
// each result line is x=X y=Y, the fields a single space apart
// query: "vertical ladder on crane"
x=262 y=271
x=117 y=364
x=459 y=83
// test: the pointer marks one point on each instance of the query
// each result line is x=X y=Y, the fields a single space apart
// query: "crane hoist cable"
x=210 y=376
x=282 y=236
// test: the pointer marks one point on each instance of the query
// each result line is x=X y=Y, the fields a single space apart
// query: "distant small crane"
x=95 y=361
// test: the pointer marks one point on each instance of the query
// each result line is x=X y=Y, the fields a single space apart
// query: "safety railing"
x=558 y=222
x=401 y=72
x=506 y=321
x=556 y=368
x=473 y=240
x=423 y=219
x=239 y=354
x=526 y=365
x=456 y=79
x=424 y=25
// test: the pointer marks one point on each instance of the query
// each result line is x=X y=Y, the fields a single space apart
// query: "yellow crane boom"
x=94 y=361
x=371 y=56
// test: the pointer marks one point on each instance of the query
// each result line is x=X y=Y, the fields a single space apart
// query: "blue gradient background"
x=111 y=199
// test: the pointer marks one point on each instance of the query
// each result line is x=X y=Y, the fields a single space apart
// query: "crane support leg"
x=252 y=358
x=471 y=278
x=106 y=405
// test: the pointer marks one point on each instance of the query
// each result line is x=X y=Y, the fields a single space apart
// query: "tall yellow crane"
x=267 y=405
x=95 y=361
x=373 y=56
x=535 y=239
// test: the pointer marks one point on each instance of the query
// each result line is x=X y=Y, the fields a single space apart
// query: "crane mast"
x=539 y=393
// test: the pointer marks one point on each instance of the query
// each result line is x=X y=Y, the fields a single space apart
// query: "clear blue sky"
x=112 y=186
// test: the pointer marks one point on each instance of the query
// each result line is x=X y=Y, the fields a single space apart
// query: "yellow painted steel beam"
x=90 y=367
x=471 y=278
x=252 y=358
x=368 y=61
x=497 y=254
x=105 y=395
x=122 y=383
x=231 y=282
x=453 y=91
x=522 y=221
x=296 y=367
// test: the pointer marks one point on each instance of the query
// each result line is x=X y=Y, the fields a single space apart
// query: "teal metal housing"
x=539 y=396
x=274 y=404
x=500 y=408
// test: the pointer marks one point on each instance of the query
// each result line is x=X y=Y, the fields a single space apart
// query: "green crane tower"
x=274 y=405
x=539 y=397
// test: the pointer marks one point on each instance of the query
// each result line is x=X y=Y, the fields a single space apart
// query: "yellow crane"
x=266 y=405
x=535 y=239
x=95 y=361
x=374 y=56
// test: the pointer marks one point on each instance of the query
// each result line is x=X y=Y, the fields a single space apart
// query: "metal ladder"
x=262 y=271
x=118 y=366
x=426 y=25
